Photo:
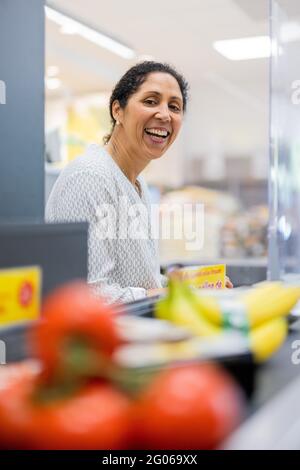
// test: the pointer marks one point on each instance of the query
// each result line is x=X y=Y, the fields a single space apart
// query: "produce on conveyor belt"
x=94 y=415
x=192 y=407
x=74 y=396
x=260 y=313
x=76 y=334
x=263 y=302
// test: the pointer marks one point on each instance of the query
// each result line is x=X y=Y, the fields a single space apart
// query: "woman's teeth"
x=157 y=132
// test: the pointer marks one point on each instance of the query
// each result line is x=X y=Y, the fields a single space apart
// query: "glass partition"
x=284 y=176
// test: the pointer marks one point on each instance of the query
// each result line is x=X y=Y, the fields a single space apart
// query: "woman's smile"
x=157 y=135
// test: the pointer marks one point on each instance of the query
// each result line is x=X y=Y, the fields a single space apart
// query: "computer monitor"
x=59 y=249
x=61 y=252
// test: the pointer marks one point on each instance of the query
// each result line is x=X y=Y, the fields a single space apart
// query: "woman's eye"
x=175 y=108
x=149 y=101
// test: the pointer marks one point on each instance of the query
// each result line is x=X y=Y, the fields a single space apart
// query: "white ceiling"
x=169 y=30
x=230 y=98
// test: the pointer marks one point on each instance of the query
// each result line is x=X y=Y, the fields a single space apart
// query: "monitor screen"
x=59 y=249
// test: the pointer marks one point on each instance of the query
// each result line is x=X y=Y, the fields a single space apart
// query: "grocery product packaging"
x=205 y=277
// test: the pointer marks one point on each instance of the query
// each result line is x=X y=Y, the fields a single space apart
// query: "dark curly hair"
x=134 y=78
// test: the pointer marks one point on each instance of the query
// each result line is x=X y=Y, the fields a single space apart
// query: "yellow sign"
x=20 y=294
x=205 y=277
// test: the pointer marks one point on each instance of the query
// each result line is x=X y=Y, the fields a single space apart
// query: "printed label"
x=20 y=294
x=205 y=277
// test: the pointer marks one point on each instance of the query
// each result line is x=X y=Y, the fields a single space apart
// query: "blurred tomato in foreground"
x=72 y=399
x=14 y=378
x=191 y=407
x=97 y=416
x=76 y=334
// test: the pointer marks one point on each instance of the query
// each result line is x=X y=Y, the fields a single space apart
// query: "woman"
x=146 y=108
x=104 y=185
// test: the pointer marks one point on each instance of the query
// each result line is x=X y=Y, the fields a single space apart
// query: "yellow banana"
x=209 y=307
x=162 y=309
x=267 y=338
x=267 y=285
x=179 y=308
x=184 y=307
x=265 y=301
x=268 y=303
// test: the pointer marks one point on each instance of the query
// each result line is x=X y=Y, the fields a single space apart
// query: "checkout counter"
x=272 y=388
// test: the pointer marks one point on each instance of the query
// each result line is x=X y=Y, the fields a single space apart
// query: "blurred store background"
x=221 y=158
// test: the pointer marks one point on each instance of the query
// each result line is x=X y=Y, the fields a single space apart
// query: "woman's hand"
x=228 y=283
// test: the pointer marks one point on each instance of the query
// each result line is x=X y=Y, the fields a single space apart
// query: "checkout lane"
x=265 y=384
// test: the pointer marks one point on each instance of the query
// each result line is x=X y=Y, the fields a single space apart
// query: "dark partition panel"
x=21 y=110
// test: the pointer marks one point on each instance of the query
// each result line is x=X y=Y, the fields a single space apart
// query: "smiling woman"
x=104 y=187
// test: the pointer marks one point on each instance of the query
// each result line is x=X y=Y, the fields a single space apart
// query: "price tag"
x=205 y=277
x=20 y=294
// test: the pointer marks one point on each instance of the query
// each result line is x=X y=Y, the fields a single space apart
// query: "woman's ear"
x=117 y=111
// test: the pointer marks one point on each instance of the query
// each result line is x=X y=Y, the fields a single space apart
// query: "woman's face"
x=153 y=115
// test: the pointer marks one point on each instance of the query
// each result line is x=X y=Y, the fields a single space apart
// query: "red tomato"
x=74 y=313
x=95 y=417
x=15 y=378
x=191 y=407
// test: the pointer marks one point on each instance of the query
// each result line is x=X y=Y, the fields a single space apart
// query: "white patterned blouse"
x=123 y=257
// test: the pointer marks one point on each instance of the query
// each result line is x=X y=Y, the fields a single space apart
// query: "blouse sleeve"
x=80 y=198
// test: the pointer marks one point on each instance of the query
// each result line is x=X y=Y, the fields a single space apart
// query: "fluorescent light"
x=53 y=83
x=256 y=47
x=68 y=29
x=74 y=26
x=52 y=71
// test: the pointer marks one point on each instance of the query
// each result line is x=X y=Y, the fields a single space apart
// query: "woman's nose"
x=164 y=113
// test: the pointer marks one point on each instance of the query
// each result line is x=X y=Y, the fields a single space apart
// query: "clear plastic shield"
x=284 y=178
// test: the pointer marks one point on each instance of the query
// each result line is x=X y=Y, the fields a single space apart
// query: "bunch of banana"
x=259 y=313
x=179 y=307
x=267 y=338
x=266 y=301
